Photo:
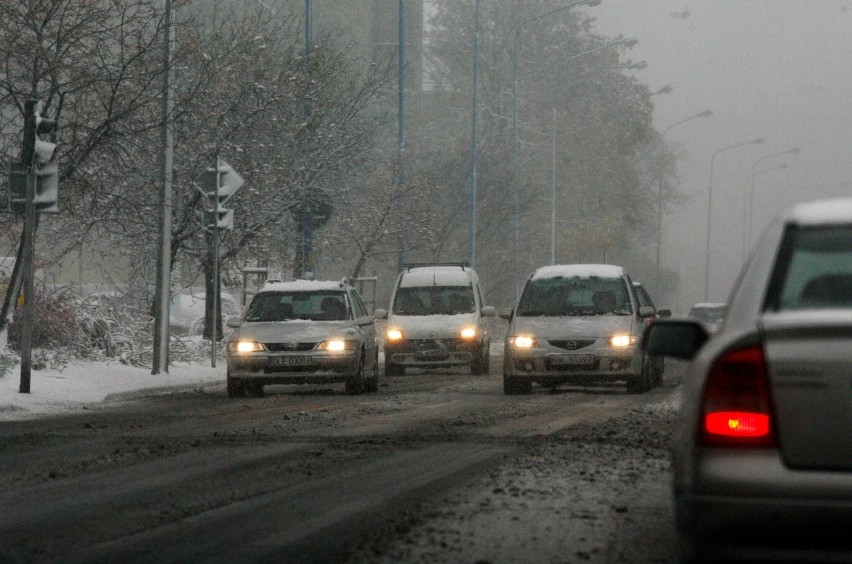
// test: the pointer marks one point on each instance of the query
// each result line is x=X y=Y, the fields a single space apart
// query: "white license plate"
x=290 y=360
x=573 y=359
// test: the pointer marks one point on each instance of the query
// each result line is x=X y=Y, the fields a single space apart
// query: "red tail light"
x=737 y=406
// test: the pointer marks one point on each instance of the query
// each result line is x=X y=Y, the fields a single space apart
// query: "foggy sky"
x=776 y=69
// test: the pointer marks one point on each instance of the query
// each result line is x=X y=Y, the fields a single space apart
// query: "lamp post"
x=758 y=141
x=664 y=90
x=516 y=41
x=471 y=224
x=793 y=151
x=629 y=41
x=704 y=114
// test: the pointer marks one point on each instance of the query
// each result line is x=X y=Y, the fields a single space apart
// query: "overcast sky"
x=776 y=69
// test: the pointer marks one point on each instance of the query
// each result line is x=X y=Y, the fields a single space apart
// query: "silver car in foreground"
x=303 y=332
x=763 y=455
x=578 y=324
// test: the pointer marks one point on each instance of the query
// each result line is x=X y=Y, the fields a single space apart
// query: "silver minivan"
x=435 y=320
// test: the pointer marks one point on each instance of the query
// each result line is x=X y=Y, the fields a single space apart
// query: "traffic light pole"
x=29 y=245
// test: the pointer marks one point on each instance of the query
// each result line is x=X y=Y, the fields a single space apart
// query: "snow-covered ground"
x=80 y=385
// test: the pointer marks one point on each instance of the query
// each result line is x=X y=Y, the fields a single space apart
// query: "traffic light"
x=38 y=154
x=219 y=183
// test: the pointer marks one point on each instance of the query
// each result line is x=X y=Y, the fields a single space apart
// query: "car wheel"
x=236 y=389
x=516 y=386
x=392 y=369
x=481 y=364
x=372 y=383
x=355 y=384
x=660 y=368
x=645 y=380
x=254 y=389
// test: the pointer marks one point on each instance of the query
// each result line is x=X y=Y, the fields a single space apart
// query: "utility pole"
x=164 y=248
x=471 y=228
x=307 y=214
x=29 y=245
x=400 y=118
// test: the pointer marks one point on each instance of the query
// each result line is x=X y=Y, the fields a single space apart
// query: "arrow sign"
x=229 y=181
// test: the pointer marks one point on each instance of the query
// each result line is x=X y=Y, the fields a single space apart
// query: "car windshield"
x=709 y=314
x=326 y=305
x=570 y=295
x=819 y=271
x=434 y=300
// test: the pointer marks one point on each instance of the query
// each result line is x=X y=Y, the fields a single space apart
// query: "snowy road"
x=435 y=467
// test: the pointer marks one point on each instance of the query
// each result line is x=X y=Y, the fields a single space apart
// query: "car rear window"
x=818 y=272
x=561 y=295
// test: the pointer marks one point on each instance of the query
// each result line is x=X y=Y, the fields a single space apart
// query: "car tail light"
x=736 y=408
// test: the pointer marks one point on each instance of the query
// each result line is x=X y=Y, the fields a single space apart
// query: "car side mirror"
x=234 y=322
x=664 y=313
x=646 y=311
x=380 y=314
x=488 y=311
x=677 y=338
x=506 y=313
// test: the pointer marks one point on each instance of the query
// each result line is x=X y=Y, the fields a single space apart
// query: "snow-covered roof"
x=709 y=305
x=579 y=271
x=436 y=276
x=302 y=286
x=820 y=212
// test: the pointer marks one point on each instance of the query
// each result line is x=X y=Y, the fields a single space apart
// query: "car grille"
x=431 y=344
x=572 y=344
x=289 y=347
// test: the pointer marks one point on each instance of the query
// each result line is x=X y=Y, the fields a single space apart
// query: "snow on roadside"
x=80 y=385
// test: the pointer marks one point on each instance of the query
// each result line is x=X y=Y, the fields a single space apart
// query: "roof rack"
x=410 y=265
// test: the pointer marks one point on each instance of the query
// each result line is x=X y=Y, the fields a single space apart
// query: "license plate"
x=290 y=360
x=573 y=360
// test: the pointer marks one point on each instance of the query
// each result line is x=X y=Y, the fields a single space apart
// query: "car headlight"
x=621 y=341
x=468 y=332
x=523 y=341
x=246 y=346
x=393 y=334
x=336 y=345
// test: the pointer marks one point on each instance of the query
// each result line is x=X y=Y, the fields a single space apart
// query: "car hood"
x=568 y=327
x=431 y=326
x=295 y=330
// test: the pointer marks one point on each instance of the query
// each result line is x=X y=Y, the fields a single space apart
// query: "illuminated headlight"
x=393 y=334
x=246 y=346
x=468 y=333
x=523 y=342
x=620 y=341
x=336 y=345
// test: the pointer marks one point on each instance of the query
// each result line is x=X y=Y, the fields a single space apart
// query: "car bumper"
x=293 y=369
x=550 y=368
x=432 y=354
x=749 y=505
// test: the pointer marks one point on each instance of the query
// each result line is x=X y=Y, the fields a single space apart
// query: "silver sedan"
x=763 y=457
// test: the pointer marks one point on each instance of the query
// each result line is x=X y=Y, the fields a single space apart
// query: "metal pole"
x=306 y=211
x=705 y=113
x=553 y=192
x=757 y=141
x=471 y=225
x=400 y=118
x=164 y=247
x=215 y=267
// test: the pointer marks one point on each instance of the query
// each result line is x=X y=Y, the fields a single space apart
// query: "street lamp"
x=704 y=114
x=793 y=151
x=516 y=41
x=628 y=41
x=664 y=90
x=758 y=141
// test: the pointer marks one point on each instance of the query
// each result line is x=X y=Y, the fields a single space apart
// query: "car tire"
x=516 y=386
x=392 y=369
x=372 y=383
x=644 y=381
x=254 y=389
x=356 y=383
x=236 y=389
x=480 y=364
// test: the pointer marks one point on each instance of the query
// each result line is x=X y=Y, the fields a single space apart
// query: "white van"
x=436 y=320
